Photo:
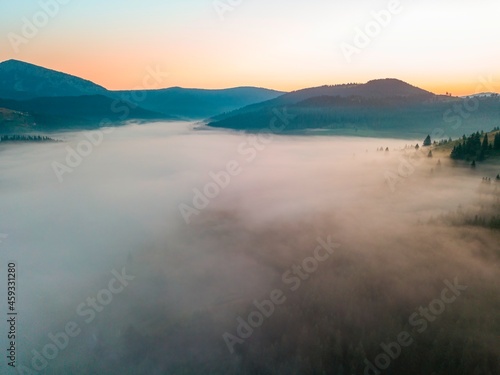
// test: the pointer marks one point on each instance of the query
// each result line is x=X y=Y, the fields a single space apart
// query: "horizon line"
x=241 y=86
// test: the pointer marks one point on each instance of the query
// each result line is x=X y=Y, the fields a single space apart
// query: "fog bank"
x=198 y=257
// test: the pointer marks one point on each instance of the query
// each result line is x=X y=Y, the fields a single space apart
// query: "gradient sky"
x=448 y=45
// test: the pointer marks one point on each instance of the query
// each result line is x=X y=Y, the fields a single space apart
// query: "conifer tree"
x=427 y=141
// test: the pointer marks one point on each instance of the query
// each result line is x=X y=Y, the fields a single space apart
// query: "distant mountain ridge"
x=382 y=107
x=25 y=86
x=379 y=88
x=33 y=98
x=198 y=103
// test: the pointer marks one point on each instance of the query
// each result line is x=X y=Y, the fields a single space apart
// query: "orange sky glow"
x=286 y=45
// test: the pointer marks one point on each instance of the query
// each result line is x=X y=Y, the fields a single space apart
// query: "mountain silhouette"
x=379 y=88
x=22 y=80
x=382 y=107
x=31 y=96
x=198 y=103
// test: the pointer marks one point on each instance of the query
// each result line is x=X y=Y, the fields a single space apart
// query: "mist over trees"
x=476 y=147
x=26 y=138
x=194 y=282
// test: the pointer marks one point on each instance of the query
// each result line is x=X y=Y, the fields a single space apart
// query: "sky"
x=442 y=46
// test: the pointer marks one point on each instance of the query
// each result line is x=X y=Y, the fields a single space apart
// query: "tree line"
x=27 y=138
x=476 y=147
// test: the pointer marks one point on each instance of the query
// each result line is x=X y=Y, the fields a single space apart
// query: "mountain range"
x=379 y=108
x=33 y=98
x=54 y=100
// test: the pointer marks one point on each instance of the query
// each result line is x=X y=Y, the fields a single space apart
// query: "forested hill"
x=385 y=108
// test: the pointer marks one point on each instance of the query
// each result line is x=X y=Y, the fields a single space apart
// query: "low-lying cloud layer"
x=333 y=244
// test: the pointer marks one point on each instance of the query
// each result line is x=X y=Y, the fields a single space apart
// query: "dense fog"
x=180 y=233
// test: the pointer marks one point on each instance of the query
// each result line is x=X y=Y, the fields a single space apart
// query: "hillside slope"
x=21 y=80
x=381 y=108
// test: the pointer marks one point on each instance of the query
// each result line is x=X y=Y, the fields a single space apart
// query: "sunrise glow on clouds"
x=283 y=44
